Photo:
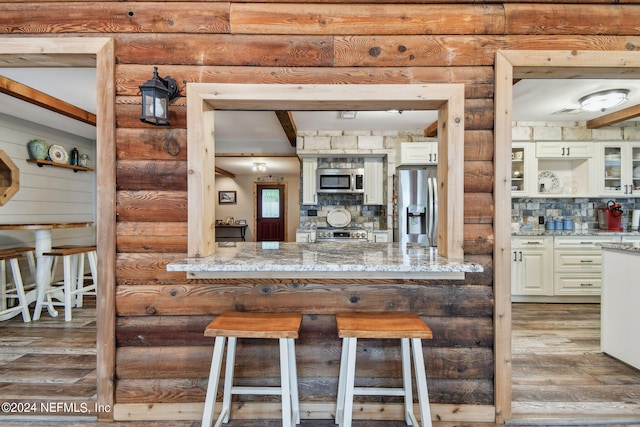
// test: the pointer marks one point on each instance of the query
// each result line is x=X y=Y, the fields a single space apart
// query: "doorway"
x=99 y=52
x=510 y=65
x=271 y=216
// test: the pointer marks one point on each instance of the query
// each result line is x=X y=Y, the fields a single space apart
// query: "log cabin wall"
x=162 y=357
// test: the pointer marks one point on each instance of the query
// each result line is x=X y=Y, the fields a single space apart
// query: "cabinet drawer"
x=571 y=260
x=572 y=150
x=529 y=242
x=577 y=284
x=583 y=242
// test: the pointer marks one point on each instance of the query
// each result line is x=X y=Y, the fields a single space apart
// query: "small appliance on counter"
x=610 y=218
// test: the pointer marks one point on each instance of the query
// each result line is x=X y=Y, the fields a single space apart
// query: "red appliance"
x=610 y=218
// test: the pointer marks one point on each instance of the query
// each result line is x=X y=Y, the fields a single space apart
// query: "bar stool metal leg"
x=406 y=380
x=212 y=387
x=293 y=378
x=349 y=383
x=421 y=382
x=285 y=383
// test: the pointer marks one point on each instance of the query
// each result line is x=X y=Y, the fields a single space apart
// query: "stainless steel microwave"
x=340 y=180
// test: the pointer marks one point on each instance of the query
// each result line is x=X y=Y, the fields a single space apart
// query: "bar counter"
x=326 y=260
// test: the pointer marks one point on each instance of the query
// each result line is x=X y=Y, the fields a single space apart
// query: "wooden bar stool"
x=233 y=325
x=410 y=329
x=17 y=293
x=73 y=284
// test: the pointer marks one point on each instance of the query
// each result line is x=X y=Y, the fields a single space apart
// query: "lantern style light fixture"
x=603 y=100
x=156 y=94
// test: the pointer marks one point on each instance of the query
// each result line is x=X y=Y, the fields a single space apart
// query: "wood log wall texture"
x=162 y=355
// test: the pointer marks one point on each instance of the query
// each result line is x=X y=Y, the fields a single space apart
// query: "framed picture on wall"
x=226 y=197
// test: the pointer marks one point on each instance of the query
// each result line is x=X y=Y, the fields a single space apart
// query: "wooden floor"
x=560 y=378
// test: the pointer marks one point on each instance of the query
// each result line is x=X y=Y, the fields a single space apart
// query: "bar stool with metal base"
x=407 y=327
x=230 y=326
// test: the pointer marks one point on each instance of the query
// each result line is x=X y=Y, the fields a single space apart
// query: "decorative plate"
x=550 y=180
x=339 y=217
x=58 y=154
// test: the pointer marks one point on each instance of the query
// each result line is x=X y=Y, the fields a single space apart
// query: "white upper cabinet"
x=619 y=169
x=572 y=150
x=522 y=179
x=373 y=181
x=309 y=178
x=417 y=153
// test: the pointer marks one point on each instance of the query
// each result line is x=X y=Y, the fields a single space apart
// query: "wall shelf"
x=41 y=163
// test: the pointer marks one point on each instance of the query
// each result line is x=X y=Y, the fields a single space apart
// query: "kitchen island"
x=454 y=297
x=620 y=304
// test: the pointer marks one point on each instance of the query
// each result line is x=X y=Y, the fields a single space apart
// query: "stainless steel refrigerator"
x=417 y=205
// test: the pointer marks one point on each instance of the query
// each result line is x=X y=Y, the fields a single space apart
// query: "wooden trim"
x=308 y=411
x=512 y=65
x=98 y=52
x=48 y=102
x=448 y=99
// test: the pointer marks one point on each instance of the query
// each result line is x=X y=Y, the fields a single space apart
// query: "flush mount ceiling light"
x=348 y=115
x=603 y=100
x=259 y=167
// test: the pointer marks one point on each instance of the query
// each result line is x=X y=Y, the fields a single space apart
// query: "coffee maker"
x=610 y=218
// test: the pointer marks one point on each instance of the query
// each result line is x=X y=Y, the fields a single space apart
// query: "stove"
x=349 y=234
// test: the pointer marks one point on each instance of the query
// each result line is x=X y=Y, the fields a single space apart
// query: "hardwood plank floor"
x=559 y=374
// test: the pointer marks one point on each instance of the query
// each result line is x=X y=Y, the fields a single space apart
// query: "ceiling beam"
x=225 y=172
x=288 y=125
x=613 y=118
x=48 y=102
x=432 y=129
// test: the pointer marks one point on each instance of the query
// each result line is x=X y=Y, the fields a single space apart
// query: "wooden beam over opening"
x=41 y=99
x=288 y=125
x=613 y=118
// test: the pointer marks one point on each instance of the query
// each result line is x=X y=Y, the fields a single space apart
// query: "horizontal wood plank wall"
x=162 y=356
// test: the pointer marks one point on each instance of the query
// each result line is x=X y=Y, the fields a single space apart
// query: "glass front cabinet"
x=619 y=169
x=520 y=169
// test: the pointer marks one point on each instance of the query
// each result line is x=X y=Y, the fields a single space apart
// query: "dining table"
x=43 y=244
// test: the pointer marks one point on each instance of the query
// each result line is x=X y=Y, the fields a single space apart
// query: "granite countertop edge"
x=575 y=233
x=247 y=257
x=625 y=247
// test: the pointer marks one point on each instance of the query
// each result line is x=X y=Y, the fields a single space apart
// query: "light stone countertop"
x=324 y=260
x=625 y=247
x=574 y=233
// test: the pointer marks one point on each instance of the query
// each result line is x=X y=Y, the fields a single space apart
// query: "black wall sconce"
x=156 y=94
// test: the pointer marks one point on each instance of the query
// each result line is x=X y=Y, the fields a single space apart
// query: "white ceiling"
x=260 y=133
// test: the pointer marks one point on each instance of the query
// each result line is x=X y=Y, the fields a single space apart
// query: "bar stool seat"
x=17 y=293
x=407 y=327
x=73 y=285
x=230 y=326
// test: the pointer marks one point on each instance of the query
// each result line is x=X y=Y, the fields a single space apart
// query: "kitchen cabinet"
x=379 y=236
x=417 y=153
x=531 y=260
x=564 y=150
x=309 y=180
x=619 y=169
x=373 y=181
x=578 y=264
x=522 y=179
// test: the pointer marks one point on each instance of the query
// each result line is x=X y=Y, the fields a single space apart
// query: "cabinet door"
x=531 y=272
x=309 y=169
x=521 y=169
x=613 y=170
x=573 y=150
x=373 y=181
x=380 y=236
x=418 y=153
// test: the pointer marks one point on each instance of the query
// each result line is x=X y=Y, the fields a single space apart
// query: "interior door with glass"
x=270 y=214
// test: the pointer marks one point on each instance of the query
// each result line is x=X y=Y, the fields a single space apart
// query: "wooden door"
x=270 y=213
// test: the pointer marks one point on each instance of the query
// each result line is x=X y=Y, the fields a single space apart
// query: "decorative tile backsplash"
x=582 y=210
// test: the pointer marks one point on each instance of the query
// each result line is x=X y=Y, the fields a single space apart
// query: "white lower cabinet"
x=562 y=266
x=379 y=236
x=531 y=261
